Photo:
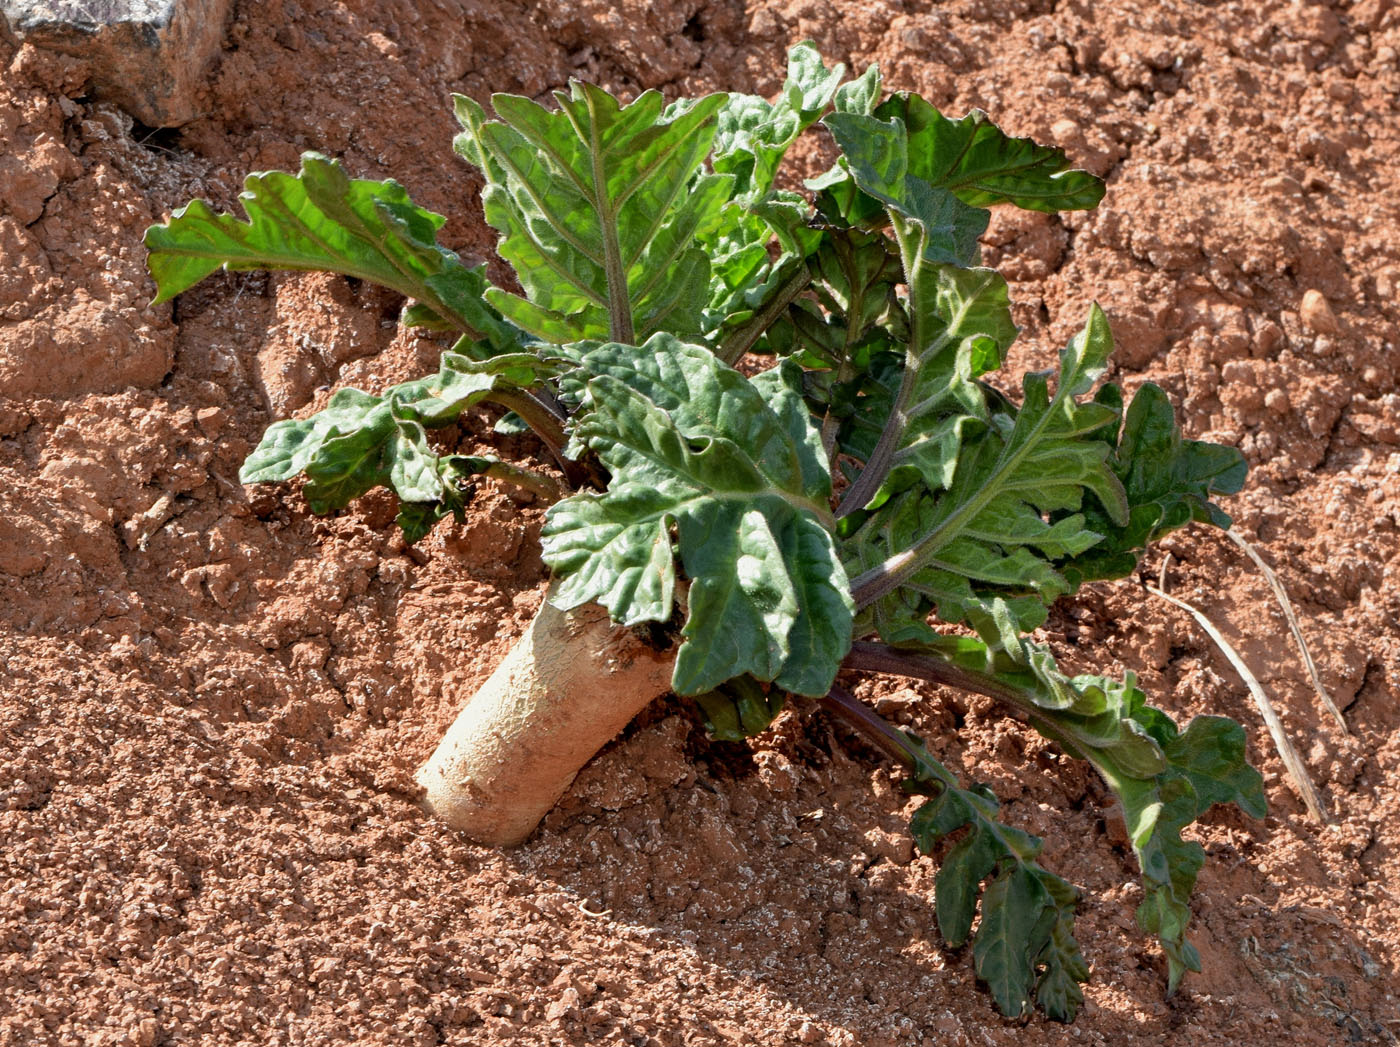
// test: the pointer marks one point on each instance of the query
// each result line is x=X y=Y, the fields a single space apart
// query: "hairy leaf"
x=1205 y=766
x=1168 y=482
x=1164 y=779
x=1024 y=948
x=753 y=134
x=599 y=205
x=982 y=165
x=752 y=138
x=693 y=446
x=982 y=551
x=654 y=249
x=960 y=328
x=358 y=441
x=876 y=153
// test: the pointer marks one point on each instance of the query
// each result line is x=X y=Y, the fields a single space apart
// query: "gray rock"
x=147 y=56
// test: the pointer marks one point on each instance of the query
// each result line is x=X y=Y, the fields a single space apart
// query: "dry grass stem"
x=1282 y=595
x=1302 y=782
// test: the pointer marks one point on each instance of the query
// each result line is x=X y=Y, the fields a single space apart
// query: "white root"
x=569 y=685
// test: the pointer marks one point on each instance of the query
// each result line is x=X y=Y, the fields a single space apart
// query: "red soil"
x=211 y=702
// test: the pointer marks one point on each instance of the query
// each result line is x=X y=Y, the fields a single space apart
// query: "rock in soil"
x=147 y=56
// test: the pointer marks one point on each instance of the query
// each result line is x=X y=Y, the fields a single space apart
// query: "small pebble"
x=1317 y=313
x=1277 y=401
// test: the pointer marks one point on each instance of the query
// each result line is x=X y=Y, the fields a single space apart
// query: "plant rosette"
x=869 y=502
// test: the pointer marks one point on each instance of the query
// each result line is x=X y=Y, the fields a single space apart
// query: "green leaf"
x=860 y=95
x=1164 y=780
x=360 y=441
x=876 y=153
x=1024 y=944
x=739 y=709
x=982 y=165
x=417 y=518
x=752 y=138
x=1211 y=754
x=1168 y=482
x=599 y=206
x=753 y=135
x=1017 y=916
x=982 y=551
x=1205 y=765
x=960 y=328
x=1061 y=964
x=1089 y=716
x=692 y=445
x=959 y=881
x=322 y=220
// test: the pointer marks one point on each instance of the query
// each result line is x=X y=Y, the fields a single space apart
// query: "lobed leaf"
x=753 y=135
x=599 y=205
x=1164 y=779
x=982 y=165
x=323 y=220
x=876 y=152
x=358 y=441
x=1024 y=948
x=692 y=445
x=960 y=328
x=1205 y=765
x=983 y=551
x=1168 y=482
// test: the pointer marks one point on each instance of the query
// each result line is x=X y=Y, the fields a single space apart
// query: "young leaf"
x=753 y=135
x=960 y=328
x=739 y=709
x=598 y=206
x=877 y=155
x=693 y=445
x=322 y=220
x=860 y=95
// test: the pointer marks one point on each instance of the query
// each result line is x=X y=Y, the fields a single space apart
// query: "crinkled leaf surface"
x=323 y=220
x=960 y=328
x=982 y=550
x=1205 y=766
x=983 y=165
x=753 y=136
x=358 y=441
x=599 y=205
x=1168 y=481
x=1024 y=948
x=876 y=153
x=727 y=474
